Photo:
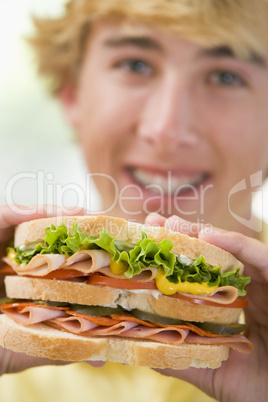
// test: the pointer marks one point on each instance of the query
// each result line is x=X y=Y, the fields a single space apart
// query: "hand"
x=242 y=377
x=9 y=361
x=12 y=215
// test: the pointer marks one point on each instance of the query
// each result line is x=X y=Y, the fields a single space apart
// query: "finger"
x=155 y=219
x=13 y=362
x=177 y=224
x=201 y=378
x=11 y=215
x=248 y=250
x=174 y=223
x=97 y=363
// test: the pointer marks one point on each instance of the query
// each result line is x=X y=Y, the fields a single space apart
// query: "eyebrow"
x=225 y=51
x=147 y=43
x=143 y=42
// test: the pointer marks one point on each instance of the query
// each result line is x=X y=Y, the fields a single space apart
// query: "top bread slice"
x=31 y=232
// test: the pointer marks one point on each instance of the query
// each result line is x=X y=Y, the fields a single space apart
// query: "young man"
x=169 y=102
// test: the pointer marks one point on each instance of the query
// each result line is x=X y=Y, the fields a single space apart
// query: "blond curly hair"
x=60 y=42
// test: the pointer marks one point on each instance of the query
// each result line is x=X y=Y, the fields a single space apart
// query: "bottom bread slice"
x=42 y=341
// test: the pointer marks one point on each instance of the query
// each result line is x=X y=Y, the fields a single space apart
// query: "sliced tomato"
x=7 y=270
x=21 y=304
x=17 y=304
x=128 y=284
x=97 y=279
x=64 y=274
x=57 y=274
x=106 y=321
x=240 y=302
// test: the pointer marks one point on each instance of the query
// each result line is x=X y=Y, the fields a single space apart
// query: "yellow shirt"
x=82 y=383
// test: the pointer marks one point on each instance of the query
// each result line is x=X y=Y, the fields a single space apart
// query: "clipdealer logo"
x=45 y=191
x=254 y=183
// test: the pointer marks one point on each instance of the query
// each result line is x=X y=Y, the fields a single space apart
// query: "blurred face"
x=169 y=126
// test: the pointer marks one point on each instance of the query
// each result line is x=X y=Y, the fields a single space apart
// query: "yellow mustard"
x=11 y=254
x=118 y=268
x=169 y=288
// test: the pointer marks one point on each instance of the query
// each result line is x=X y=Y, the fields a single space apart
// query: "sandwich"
x=103 y=288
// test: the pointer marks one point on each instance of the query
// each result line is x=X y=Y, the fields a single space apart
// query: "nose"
x=168 y=115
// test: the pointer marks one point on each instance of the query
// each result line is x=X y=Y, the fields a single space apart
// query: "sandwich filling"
x=98 y=321
x=64 y=254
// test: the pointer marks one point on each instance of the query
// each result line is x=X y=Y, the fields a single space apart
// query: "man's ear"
x=69 y=101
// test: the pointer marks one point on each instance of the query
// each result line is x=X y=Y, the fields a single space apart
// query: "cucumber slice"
x=96 y=310
x=7 y=300
x=143 y=315
x=54 y=303
x=230 y=329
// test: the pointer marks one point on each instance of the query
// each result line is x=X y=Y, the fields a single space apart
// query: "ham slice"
x=75 y=325
x=40 y=264
x=85 y=261
x=170 y=335
x=130 y=329
x=146 y=275
x=33 y=314
x=221 y=295
x=173 y=335
x=237 y=342
x=117 y=329
x=88 y=261
x=124 y=325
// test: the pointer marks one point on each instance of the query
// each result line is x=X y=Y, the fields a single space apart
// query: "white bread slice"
x=34 y=231
x=20 y=287
x=43 y=341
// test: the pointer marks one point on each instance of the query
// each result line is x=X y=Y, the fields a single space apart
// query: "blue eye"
x=226 y=78
x=136 y=66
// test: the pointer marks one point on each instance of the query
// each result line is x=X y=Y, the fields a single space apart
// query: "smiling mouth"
x=168 y=183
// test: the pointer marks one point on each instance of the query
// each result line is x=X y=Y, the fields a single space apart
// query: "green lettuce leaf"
x=147 y=252
x=199 y=271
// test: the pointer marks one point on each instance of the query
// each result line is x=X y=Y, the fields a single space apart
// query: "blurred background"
x=36 y=144
x=40 y=159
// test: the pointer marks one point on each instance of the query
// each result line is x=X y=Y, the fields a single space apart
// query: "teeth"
x=168 y=184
